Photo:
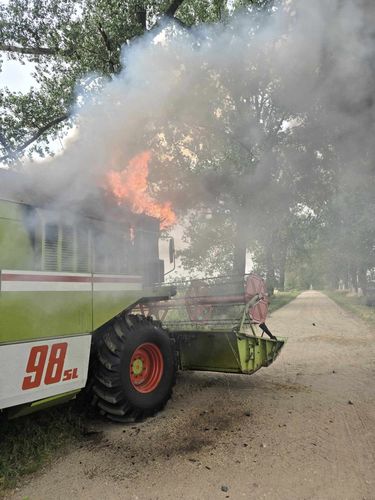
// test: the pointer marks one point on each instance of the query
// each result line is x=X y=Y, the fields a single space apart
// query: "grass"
x=280 y=299
x=353 y=304
x=29 y=442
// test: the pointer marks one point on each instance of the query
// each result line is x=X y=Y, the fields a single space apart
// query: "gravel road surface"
x=304 y=428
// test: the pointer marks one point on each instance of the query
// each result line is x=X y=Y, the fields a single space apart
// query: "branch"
x=41 y=131
x=142 y=18
x=5 y=143
x=34 y=51
x=173 y=8
x=170 y=14
x=108 y=46
x=35 y=136
x=227 y=133
x=48 y=51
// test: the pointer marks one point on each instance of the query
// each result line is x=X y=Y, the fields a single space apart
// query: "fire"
x=131 y=186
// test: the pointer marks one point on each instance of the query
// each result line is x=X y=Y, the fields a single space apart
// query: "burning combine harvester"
x=84 y=306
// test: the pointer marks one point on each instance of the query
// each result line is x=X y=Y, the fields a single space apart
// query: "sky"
x=16 y=76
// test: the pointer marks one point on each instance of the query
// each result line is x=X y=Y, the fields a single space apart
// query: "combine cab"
x=79 y=309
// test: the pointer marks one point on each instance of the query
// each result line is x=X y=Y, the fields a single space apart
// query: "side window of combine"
x=67 y=248
x=51 y=236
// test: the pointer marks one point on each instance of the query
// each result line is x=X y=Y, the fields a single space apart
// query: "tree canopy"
x=74 y=43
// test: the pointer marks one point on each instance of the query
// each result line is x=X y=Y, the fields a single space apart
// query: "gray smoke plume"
x=303 y=73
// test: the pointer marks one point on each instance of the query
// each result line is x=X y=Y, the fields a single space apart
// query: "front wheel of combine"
x=136 y=369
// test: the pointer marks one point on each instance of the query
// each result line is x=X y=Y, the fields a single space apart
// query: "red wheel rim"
x=146 y=367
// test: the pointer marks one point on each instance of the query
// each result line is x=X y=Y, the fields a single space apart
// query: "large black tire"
x=116 y=393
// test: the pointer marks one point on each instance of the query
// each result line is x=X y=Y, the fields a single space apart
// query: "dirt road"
x=303 y=428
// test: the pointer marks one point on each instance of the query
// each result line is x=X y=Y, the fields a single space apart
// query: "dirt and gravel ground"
x=303 y=428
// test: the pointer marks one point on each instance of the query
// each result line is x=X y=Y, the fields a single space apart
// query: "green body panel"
x=16 y=248
x=26 y=316
x=257 y=352
x=32 y=315
x=106 y=305
x=216 y=351
x=11 y=259
x=224 y=351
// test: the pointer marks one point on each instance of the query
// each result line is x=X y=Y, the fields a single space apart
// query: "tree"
x=309 y=167
x=347 y=241
x=74 y=43
x=69 y=43
x=230 y=163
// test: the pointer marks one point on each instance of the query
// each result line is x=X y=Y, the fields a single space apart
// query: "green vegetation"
x=27 y=443
x=353 y=304
x=280 y=299
x=66 y=42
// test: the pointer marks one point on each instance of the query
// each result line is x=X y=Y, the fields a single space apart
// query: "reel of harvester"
x=201 y=300
x=198 y=309
x=219 y=323
x=257 y=298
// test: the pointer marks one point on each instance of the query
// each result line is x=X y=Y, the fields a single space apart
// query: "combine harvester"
x=83 y=305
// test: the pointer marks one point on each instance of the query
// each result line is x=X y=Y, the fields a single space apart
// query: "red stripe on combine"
x=49 y=278
x=69 y=279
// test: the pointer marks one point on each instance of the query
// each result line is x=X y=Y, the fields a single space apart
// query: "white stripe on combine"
x=44 y=286
x=116 y=287
x=116 y=283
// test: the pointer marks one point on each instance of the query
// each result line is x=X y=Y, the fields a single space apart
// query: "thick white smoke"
x=194 y=91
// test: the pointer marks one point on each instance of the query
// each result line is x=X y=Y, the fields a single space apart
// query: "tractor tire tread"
x=108 y=394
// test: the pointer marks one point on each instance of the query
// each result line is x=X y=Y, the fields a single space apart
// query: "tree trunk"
x=239 y=259
x=353 y=277
x=281 y=284
x=239 y=252
x=347 y=278
x=362 y=279
x=270 y=276
x=335 y=281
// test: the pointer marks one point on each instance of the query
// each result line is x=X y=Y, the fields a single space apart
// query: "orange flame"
x=131 y=186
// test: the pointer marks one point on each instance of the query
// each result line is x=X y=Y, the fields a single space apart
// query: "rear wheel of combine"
x=135 y=370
